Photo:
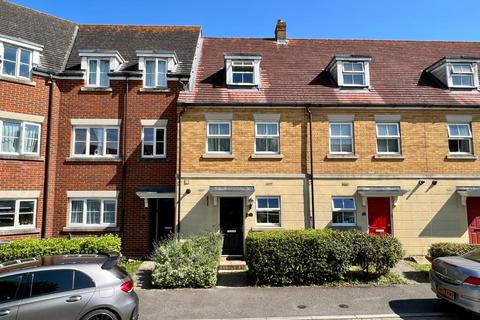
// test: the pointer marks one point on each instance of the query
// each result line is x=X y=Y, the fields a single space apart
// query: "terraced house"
x=379 y=136
x=149 y=130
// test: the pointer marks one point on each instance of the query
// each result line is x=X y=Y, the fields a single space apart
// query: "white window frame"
x=472 y=73
x=267 y=136
x=156 y=84
x=84 y=212
x=87 y=142
x=97 y=76
x=387 y=137
x=243 y=63
x=268 y=210
x=17 y=62
x=16 y=223
x=354 y=211
x=229 y=135
x=21 y=150
x=469 y=138
x=363 y=73
x=155 y=155
x=351 y=137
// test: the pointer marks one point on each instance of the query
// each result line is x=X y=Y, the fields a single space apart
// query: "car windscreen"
x=473 y=255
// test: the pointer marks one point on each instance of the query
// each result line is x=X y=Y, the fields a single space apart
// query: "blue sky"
x=346 y=19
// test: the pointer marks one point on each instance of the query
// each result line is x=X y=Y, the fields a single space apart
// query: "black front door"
x=162 y=218
x=231 y=225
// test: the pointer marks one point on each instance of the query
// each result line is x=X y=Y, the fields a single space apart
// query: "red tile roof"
x=295 y=73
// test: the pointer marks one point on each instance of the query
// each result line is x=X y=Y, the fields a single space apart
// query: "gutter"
x=124 y=161
x=179 y=175
x=47 y=157
x=312 y=188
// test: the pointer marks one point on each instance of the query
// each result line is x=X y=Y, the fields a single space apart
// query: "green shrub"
x=445 y=249
x=317 y=256
x=192 y=263
x=31 y=247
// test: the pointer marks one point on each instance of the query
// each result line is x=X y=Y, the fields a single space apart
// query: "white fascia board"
x=96 y=122
x=154 y=122
x=21 y=116
x=158 y=54
x=19 y=194
x=93 y=194
x=101 y=54
x=21 y=43
x=243 y=57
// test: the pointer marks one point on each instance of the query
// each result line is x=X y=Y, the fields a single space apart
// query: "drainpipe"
x=47 y=157
x=179 y=177
x=312 y=188
x=124 y=160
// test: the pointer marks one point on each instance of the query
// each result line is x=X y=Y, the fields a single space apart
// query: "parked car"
x=457 y=279
x=73 y=287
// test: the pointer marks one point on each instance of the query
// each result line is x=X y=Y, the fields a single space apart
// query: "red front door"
x=379 y=215
x=473 y=216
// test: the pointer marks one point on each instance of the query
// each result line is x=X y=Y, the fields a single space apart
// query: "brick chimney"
x=281 y=32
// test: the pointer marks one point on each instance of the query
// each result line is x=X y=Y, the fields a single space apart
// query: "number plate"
x=449 y=294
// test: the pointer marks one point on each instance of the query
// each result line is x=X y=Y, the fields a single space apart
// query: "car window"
x=82 y=281
x=10 y=287
x=53 y=281
x=473 y=255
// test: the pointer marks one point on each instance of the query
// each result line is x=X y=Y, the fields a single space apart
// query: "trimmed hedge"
x=445 y=249
x=307 y=257
x=188 y=264
x=31 y=247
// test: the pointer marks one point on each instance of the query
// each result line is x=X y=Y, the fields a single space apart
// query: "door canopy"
x=381 y=191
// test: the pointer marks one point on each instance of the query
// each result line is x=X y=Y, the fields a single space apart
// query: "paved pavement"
x=396 y=302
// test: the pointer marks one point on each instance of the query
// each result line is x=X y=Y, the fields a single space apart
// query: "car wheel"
x=100 y=314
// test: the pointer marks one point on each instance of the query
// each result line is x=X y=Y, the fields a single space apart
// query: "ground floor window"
x=17 y=213
x=343 y=211
x=268 y=211
x=93 y=212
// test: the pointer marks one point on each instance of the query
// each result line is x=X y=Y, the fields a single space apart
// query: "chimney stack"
x=281 y=32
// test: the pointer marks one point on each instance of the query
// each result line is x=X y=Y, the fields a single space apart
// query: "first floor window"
x=96 y=142
x=98 y=72
x=268 y=211
x=218 y=137
x=154 y=142
x=459 y=138
x=341 y=138
x=343 y=211
x=93 y=212
x=388 y=138
x=18 y=137
x=266 y=137
x=17 y=62
x=156 y=73
x=17 y=213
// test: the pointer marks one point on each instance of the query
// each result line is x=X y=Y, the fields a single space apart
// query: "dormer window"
x=18 y=57
x=97 y=64
x=155 y=73
x=350 y=71
x=456 y=72
x=98 y=73
x=462 y=75
x=156 y=65
x=242 y=70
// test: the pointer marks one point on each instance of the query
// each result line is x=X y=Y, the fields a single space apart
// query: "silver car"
x=86 y=287
x=457 y=280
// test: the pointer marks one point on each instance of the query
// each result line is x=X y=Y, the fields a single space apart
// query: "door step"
x=232 y=265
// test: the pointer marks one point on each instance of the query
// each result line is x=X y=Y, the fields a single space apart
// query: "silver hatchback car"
x=457 y=280
x=70 y=287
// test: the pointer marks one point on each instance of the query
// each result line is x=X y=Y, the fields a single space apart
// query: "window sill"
x=93 y=159
x=219 y=156
x=388 y=157
x=333 y=156
x=345 y=227
x=21 y=157
x=470 y=157
x=258 y=156
x=19 y=231
x=154 y=90
x=90 y=229
x=267 y=228
x=18 y=80
x=153 y=158
x=95 y=89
